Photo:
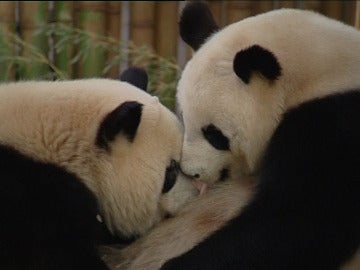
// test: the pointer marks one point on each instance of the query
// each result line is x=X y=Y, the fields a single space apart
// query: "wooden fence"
x=151 y=24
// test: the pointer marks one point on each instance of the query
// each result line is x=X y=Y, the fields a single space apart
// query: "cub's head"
x=120 y=141
x=242 y=78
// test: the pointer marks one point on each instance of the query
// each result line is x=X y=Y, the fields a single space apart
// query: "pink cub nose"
x=200 y=185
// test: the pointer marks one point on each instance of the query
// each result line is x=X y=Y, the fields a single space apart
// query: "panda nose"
x=200 y=186
x=191 y=176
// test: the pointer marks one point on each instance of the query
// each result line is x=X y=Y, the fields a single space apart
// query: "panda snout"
x=201 y=186
x=189 y=175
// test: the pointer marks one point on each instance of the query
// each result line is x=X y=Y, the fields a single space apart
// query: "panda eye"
x=215 y=137
x=171 y=174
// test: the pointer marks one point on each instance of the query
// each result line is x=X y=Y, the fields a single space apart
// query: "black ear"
x=196 y=24
x=135 y=76
x=256 y=58
x=125 y=118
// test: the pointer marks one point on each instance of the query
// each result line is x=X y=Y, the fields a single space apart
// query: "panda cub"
x=274 y=97
x=74 y=154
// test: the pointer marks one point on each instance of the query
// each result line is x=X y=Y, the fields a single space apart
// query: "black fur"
x=196 y=24
x=215 y=137
x=224 y=174
x=135 y=76
x=256 y=58
x=171 y=175
x=125 y=118
x=305 y=214
x=47 y=217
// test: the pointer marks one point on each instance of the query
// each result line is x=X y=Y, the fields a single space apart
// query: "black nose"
x=191 y=176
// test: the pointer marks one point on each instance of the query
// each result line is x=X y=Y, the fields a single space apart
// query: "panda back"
x=50 y=211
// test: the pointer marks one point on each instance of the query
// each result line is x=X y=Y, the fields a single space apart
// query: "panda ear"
x=256 y=58
x=124 y=119
x=196 y=24
x=135 y=76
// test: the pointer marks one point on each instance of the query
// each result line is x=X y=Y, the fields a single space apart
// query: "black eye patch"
x=215 y=137
x=224 y=174
x=171 y=174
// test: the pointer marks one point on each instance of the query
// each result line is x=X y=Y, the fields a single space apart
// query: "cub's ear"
x=256 y=58
x=135 y=76
x=124 y=119
x=196 y=24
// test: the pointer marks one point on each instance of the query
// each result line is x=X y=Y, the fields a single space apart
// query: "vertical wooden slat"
x=349 y=12
x=237 y=10
x=125 y=33
x=113 y=10
x=166 y=28
x=7 y=16
x=183 y=52
x=313 y=5
x=287 y=4
x=216 y=10
x=64 y=11
x=333 y=9
x=91 y=18
x=357 y=15
x=7 y=25
x=33 y=15
x=51 y=41
x=262 y=6
x=142 y=23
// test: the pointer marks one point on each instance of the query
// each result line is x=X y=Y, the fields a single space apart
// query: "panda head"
x=242 y=78
x=117 y=139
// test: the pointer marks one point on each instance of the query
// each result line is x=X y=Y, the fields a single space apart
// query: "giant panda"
x=80 y=161
x=274 y=97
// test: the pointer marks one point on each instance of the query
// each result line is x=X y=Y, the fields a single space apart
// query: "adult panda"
x=276 y=97
x=75 y=152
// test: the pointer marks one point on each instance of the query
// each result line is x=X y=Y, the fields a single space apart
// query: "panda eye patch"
x=215 y=137
x=171 y=174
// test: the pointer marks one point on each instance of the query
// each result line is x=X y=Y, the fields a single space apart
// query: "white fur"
x=318 y=56
x=194 y=223
x=57 y=122
x=173 y=237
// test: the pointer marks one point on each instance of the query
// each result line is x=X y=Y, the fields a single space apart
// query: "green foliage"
x=72 y=47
